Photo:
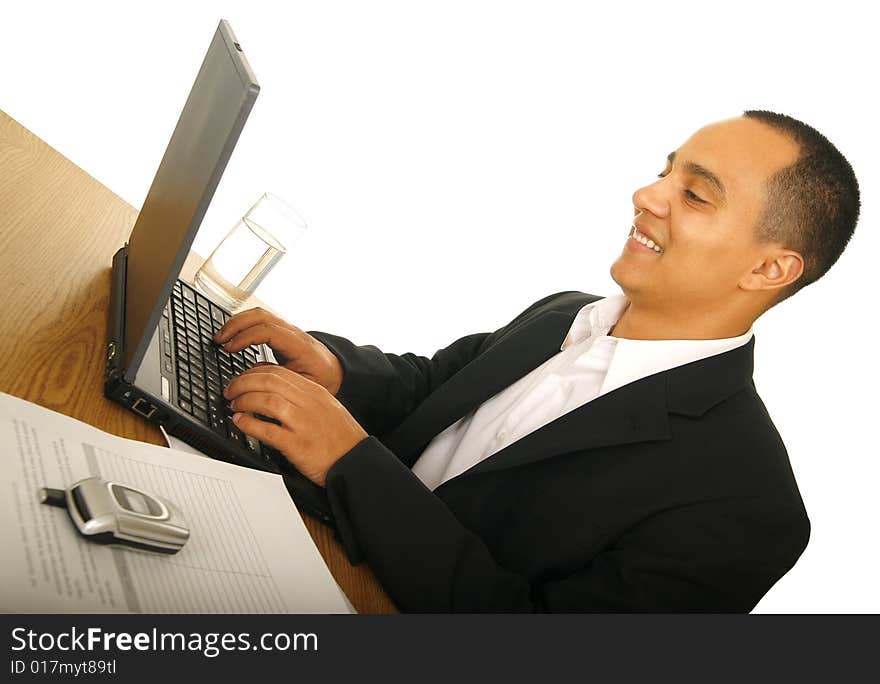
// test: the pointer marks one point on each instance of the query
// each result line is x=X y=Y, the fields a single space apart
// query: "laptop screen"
x=209 y=126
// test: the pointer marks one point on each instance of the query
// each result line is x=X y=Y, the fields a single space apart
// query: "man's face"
x=702 y=212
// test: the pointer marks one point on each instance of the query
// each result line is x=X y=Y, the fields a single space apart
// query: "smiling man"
x=713 y=268
x=597 y=453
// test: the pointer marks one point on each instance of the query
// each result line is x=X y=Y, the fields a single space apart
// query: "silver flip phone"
x=112 y=513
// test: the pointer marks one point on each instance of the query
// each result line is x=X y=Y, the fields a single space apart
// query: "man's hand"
x=315 y=430
x=293 y=348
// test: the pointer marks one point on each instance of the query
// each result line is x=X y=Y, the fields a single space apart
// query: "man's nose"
x=652 y=198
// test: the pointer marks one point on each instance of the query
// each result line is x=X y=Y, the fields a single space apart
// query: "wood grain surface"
x=59 y=229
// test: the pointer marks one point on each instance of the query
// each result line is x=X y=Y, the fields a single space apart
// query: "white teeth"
x=638 y=237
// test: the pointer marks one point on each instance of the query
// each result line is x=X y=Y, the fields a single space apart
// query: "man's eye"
x=687 y=193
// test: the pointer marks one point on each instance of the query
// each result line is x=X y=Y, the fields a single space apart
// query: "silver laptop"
x=161 y=361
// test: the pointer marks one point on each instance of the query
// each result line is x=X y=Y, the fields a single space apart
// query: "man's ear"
x=779 y=269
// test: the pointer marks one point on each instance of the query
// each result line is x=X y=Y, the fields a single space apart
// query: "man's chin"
x=621 y=272
x=630 y=277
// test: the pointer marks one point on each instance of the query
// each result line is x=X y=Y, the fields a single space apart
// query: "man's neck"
x=640 y=323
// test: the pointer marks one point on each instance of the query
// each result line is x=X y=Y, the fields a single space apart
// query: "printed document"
x=249 y=550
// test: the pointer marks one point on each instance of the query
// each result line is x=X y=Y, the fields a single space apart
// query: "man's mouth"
x=634 y=234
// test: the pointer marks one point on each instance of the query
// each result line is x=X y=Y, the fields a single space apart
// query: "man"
x=596 y=454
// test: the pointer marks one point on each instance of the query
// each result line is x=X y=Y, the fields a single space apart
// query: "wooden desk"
x=59 y=229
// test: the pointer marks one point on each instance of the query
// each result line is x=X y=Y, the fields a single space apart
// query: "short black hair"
x=812 y=205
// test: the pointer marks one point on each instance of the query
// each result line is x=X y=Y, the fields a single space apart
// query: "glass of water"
x=249 y=251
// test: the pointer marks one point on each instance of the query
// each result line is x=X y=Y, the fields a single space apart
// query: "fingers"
x=314 y=429
x=240 y=321
x=246 y=319
x=268 y=433
x=274 y=379
x=280 y=339
x=268 y=404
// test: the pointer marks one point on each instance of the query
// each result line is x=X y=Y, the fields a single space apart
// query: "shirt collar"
x=595 y=319
x=634 y=359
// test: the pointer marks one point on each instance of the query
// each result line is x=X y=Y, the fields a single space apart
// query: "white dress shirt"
x=590 y=363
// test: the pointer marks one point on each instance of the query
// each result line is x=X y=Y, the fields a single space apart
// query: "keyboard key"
x=185 y=405
x=200 y=414
x=220 y=429
x=188 y=295
x=252 y=444
x=233 y=432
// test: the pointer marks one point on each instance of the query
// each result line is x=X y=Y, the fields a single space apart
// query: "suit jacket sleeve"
x=717 y=556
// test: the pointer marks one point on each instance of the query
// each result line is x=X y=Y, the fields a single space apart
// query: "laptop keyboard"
x=204 y=368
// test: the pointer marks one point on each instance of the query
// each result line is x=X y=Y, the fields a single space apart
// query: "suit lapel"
x=516 y=353
x=633 y=413
x=636 y=412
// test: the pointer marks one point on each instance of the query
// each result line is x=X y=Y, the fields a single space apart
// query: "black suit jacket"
x=673 y=493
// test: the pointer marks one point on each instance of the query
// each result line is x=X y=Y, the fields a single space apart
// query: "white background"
x=457 y=161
